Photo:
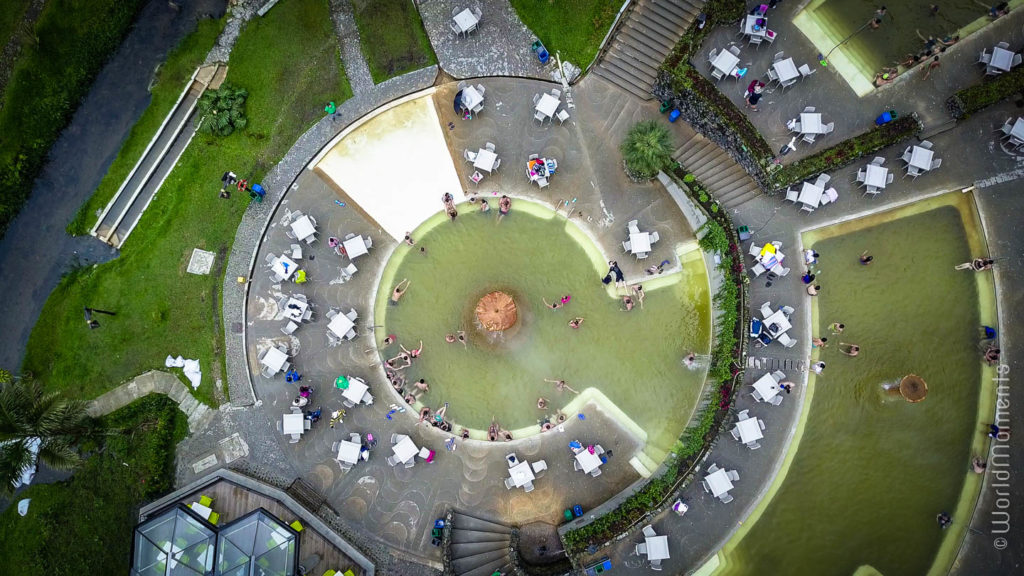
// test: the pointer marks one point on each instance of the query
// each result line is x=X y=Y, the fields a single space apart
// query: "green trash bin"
x=664 y=106
x=568 y=514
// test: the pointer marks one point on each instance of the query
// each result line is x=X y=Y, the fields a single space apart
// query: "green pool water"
x=871 y=470
x=828 y=22
x=634 y=359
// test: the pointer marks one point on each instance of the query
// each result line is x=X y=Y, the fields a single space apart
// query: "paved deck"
x=831 y=95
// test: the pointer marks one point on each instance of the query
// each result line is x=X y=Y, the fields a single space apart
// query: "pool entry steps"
x=125 y=209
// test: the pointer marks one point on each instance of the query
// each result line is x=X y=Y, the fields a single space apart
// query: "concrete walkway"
x=154 y=382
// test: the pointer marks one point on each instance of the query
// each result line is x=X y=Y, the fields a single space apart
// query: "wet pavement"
x=36 y=251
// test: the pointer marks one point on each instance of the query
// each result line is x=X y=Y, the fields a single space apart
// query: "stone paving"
x=831 y=95
x=500 y=46
x=356 y=68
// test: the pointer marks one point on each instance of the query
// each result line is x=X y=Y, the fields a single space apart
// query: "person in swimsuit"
x=461 y=337
x=542 y=403
x=638 y=290
x=813 y=290
x=575 y=322
x=849 y=349
x=690 y=359
x=504 y=205
x=560 y=385
x=422 y=385
x=836 y=327
x=399 y=290
x=415 y=352
x=628 y=303
x=866 y=258
x=449 y=338
x=554 y=306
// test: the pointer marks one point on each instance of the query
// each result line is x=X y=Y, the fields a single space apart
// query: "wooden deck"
x=232 y=502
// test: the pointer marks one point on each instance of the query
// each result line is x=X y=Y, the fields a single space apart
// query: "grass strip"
x=392 y=38
x=573 y=28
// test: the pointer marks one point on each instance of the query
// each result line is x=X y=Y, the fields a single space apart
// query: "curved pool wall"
x=866 y=473
x=826 y=23
x=657 y=426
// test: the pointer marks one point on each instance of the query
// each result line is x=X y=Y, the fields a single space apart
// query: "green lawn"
x=392 y=37
x=84 y=525
x=289 y=62
x=573 y=28
x=170 y=81
x=71 y=41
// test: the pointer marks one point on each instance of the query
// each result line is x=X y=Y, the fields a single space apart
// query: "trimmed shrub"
x=970 y=100
x=647 y=149
x=223 y=110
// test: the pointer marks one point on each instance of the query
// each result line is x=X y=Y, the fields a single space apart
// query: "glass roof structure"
x=257 y=544
x=173 y=544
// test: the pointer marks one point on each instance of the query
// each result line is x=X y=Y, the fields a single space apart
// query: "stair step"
x=640 y=56
x=640 y=31
x=657 y=23
x=641 y=42
x=462 y=521
x=639 y=78
x=636 y=67
x=668 y=15
x=465 y=565
x=473 y=536
x=614 y=78
x=665 y=38
x=467 y=549
x=686 y=13
x=503 y=566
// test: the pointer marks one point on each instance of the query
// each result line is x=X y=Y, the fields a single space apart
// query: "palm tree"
x=646 y=149
x=36 y=426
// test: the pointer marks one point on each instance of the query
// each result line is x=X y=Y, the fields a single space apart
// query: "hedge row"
x=970 y=100
x=847 y=151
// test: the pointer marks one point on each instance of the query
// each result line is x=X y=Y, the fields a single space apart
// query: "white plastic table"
x=465 y=20
x=1002 y=59
x=876 y=176
x=291 y=423
x=348 y=452
x=1018 y=129
x=405 y=450
x=303 y=228
x=355 y=246
x=719 y=482
x=750 y=430
x=340 y=325
x=770 y=260
x=547 y=105
x=355 y=391
x=588 y=461
x=274 y=359
x=810 y=194
x=921 y=158
x=748 y=26
x=779 y=318
x=521 y=474
x=640 y=242
x=279 y=267
x=810 y=123
x=657 y=547
x=485 y=160
x=203 y=511
x=297 y=312
x=725 y=61
x=786 y=69
x=767 y=387
x=471 y=98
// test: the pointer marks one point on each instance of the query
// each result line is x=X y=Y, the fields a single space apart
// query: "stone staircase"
x=479 y=547
x=714 y=167
x=642 y=42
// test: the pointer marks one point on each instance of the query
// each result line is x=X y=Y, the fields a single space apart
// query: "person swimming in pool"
x=575 y=322
x=561 y=386
x=399 y=290
x=628 y=303
x=415 y=352
x=542 y=403
x=554 y=306
x=849 y=349
x=690 y=359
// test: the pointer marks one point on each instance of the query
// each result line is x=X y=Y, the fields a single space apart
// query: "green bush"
x=72 y=40
x=223 y=110
x=647 y=149
x=847 y=151
x=84 y=524
x=988 y=92
x=714 y=238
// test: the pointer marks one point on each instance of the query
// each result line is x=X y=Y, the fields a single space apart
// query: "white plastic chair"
x=805 y=71
x=777 y=400
x=649 y=531
x=754 y=250
x=792 y=195
x=778 y=376
x=562 y=116
x=626 y=246
x=758 y=269
x=733 y=475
